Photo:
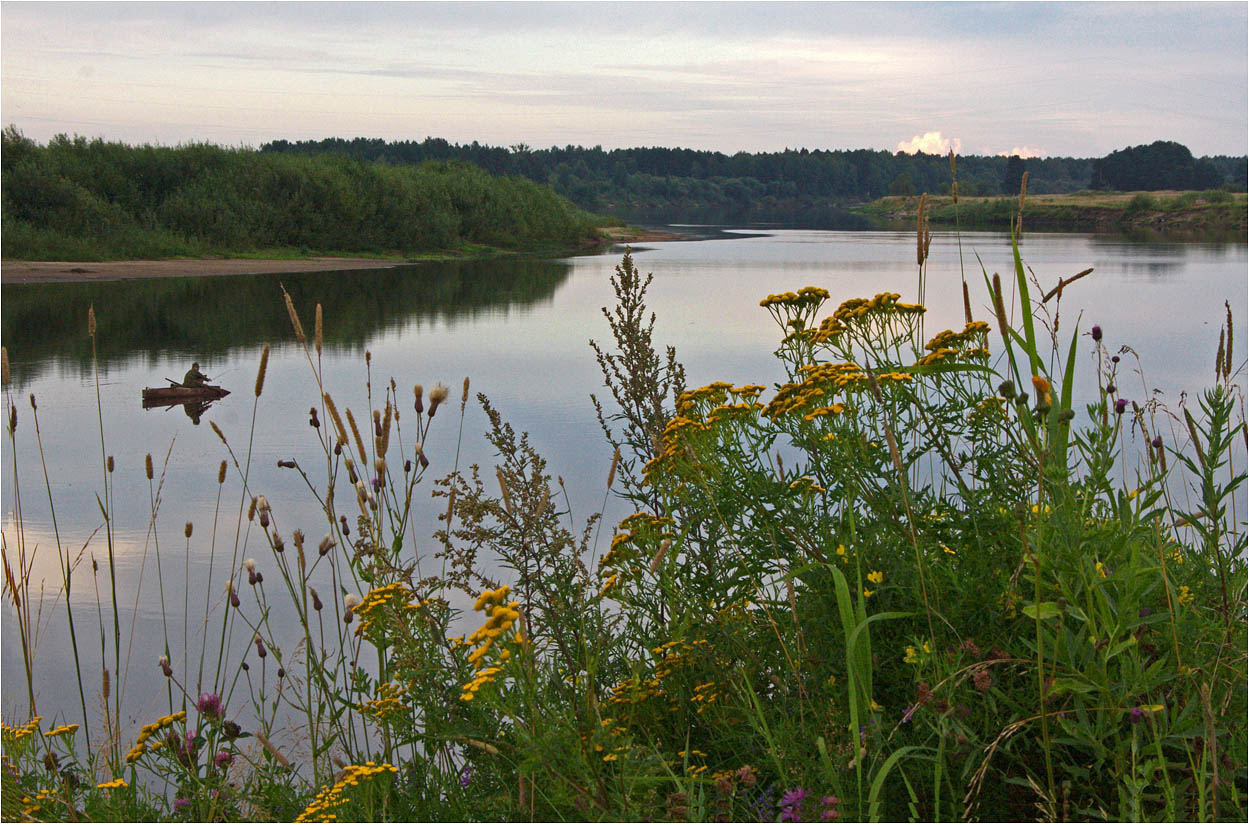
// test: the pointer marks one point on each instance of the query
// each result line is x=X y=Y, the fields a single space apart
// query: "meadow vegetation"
x=80 y=200
x=908 y=581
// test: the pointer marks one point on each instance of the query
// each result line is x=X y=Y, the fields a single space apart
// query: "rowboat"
x=175 y=394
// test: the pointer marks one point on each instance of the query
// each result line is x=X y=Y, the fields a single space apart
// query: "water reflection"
x=156 y=318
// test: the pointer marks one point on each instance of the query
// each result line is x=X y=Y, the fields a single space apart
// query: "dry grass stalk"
x=340 y=430
x=147 y=466
x=616 y=457
x=290 y=309
x=1228 y=351
x=5 y=374
x=920 y=231
x=360 y=442
x=260 y=372
x=317 y=336
x=659 y=555
x=91 y=324
x=503 y=486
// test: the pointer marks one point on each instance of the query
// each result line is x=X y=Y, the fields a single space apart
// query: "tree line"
x=80 y=199
x=653 y=180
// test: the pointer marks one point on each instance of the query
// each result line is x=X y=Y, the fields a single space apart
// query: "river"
x=519 y=329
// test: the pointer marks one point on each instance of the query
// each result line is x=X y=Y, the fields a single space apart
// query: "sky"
x=1036 y=79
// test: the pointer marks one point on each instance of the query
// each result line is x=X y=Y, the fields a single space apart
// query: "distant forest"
x=79 y=199
x=684 y=184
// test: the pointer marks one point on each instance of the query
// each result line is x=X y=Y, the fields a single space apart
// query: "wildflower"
x=1111 y=389
x=234 y=597
x=1042 y=386
x=181 y=803
x=1120 y=405
x=114 y=783
x=982 y=680
x=437 y=396
x=1136 y=715
x=745 y=775
x=830 y=804
x=1101 y=569
x=867 y=593
x=1096 y=332
x=326 y=543
x=1115 y=359
x=67 y=730
x=876 y=577
x=316 y=600
x=209 y=705
x=466 y=776
x=222 y=759
x=1184 y=596
x=790 y=803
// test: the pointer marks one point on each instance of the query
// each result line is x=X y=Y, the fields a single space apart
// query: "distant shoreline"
x=34 y=272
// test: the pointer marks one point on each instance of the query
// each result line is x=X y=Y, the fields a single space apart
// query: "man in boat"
x=194 y=378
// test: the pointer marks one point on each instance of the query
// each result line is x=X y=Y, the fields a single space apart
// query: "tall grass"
x=909 y=581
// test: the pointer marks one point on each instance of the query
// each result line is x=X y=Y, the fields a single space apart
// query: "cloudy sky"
x=1078 y=79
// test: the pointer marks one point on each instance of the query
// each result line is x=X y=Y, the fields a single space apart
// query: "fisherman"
x=194 y=378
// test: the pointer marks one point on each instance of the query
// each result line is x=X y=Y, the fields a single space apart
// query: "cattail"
x=5 y=374
x=417 y=404
x=290 y=309
x=110 y=464
x=659 y=555
x=340 y=430
x=260 y=373
x=967 y=305
x=616 y=457
x=317 y=330
x=360 y=442
x=221 y=472
x=186 y=531
x=1000 y=311
x=464 y=394
x=147 y=466
x=91 y=320
x=437 y=396
x=104 y=684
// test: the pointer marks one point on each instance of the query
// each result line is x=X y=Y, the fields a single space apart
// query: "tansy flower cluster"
x=321 y=809
x=500 y=618
x=150 y=730
x=13 y=735
x=390 y=701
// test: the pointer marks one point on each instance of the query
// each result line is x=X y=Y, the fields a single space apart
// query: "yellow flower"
x=867 y=592
x=841 y=551
x=1185 y=597
x=876 y=577
x=1101 y=568
x=946 y=549
x=874 y=704
x=116 y=783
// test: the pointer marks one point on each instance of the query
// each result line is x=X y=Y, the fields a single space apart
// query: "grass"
x=1178 y=212
x=908 y=582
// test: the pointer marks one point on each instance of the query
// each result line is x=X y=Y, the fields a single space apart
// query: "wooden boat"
x=175 y=394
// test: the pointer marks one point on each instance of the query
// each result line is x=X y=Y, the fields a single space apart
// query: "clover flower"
x=209 y=704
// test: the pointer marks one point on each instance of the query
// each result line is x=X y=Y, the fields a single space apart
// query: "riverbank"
x=28 y=272
x=1183 y=213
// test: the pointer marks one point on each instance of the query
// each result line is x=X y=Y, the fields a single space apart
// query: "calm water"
x=518 y=329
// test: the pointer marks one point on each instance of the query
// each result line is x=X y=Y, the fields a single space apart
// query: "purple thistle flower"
x=1115 y=359
x=181 y=803
x=1121 y=405
x=791 y=803
x=1096 y=332
x=209 y=705
x=1136 y=715
x=1111 y=389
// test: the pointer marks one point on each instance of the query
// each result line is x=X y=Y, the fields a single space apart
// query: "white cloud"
x=931 y=143
x=1022 y=151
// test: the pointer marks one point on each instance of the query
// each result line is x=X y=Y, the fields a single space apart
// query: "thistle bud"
x=326 y=544
x=418 y=405
x=278 y=544
x=260 y=647
x=165 y=668
x=316 y=600
x=234 y=597
x=1121 y=405
x=1096 y=332
x=313 y=421
x=437 y=396
x=1007 y=390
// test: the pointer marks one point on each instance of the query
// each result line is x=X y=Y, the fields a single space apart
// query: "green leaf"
x=1041 y=610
